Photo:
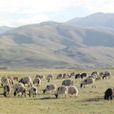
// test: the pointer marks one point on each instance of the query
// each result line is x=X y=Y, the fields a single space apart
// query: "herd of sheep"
x=18 y=86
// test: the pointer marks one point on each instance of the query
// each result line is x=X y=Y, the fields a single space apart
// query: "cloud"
x=99 y=5
x=33 y=6
x=20 y=12
x=31 y=20
x=23 y=20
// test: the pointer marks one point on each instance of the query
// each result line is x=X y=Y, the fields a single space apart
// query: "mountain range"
x=86 y=42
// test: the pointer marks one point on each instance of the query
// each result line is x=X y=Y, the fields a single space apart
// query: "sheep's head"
x=56 y=95
x=105 y=97
x=35 y=91
x=15 y=93
x=5 y=94
x=44 y=91
x=81 y=85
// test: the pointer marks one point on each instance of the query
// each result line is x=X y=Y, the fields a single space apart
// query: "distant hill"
x=95 y=20
x=51 y=44
x=4 y=29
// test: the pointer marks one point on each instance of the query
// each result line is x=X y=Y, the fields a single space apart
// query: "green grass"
x=89 y=101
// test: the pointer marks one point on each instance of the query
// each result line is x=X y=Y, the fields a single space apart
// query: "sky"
x=21 y=12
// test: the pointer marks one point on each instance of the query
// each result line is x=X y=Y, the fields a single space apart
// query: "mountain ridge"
x=52 y=44
x=95 y=20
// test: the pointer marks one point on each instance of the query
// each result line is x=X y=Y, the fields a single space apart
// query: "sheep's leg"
x=29 y=94
x=111 y=97
x=94 y=86
x=25 y=94
x=21 y=94
x=65 y=95
x=85 y=86
x=18 y=95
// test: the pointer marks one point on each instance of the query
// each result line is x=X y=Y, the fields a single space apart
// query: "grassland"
x=89 y=101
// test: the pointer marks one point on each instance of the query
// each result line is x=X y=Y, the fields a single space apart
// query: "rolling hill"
x=52 y=44
x=95 y=20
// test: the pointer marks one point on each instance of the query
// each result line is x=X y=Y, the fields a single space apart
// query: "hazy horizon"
x=21 y=12
x=55 y=20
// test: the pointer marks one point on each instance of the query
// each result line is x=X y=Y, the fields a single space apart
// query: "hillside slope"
x=52 y=44
x=95 y=20
x=4 y=29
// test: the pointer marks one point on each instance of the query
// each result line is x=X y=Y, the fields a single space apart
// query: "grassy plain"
x=89 y=101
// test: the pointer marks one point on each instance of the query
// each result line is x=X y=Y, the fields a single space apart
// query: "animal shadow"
x=44 y=98
x=94 y=99
x=47 y=98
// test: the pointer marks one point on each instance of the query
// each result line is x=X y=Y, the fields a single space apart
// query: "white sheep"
x=32 y=91
x=37 y=81
x=88 y=81
x=26 y=80
x=51 y=87
x=61 y=90
x=67 y=82
x=72 y=90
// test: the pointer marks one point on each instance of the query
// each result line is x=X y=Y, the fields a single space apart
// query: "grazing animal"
x=77 y=76
x=106 y=75
x=109 y=94
x=18 y=85
x=91 y=76
x=101 y=74
x=61 y=90
x=26 y=80
x=67 y=82
x=19 y=90
x=37 y=76
x=72 y=90
x=98 y=78
x=94 y=73
x=59 y=76
x=72 y=74
x=40 y=76
x=15 y=78
x=49 y=77
x=37 y=81
x=51 y=87
x=4 y=81
x=7 y=90
x=68 y=75
x=88 y=81
x=83 y=75
x=11 y=81
x=32 y=91
x=65 y=75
